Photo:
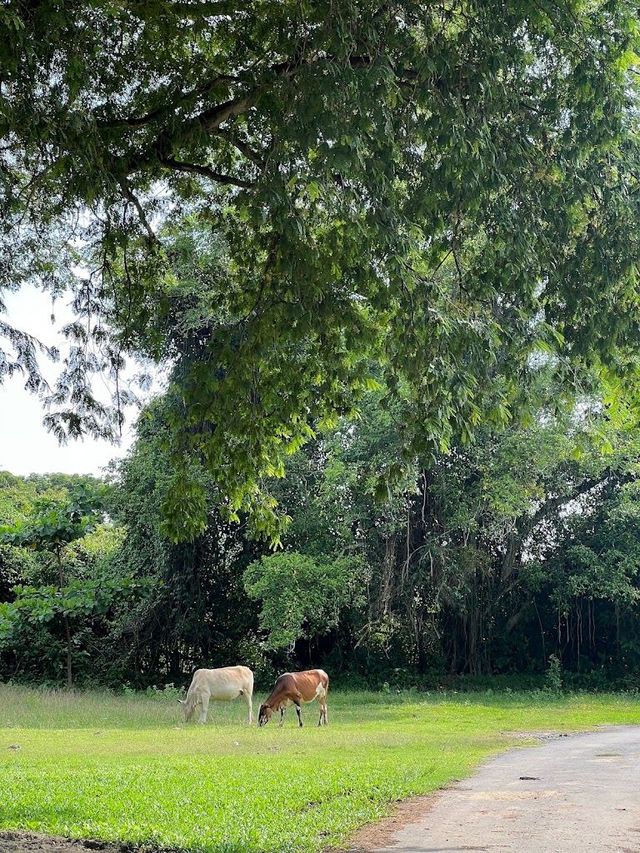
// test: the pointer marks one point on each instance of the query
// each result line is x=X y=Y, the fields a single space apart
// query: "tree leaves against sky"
x=288 y=201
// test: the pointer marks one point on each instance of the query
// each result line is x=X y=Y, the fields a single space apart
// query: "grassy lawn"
x=127 y=769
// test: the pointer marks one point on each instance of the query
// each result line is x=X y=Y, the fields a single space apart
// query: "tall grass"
x=58 y=708
x=53 y=708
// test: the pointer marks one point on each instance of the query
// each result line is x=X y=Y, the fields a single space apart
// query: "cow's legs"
x=281 y=717
x=248 y=700
x=204 y=707
x=323 y=715
x=299 y=714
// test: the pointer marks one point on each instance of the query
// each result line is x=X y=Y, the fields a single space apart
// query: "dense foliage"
x=289 y=200
x=59 y=602
x=492 y=558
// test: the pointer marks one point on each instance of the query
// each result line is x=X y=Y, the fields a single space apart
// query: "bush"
x=553 y=676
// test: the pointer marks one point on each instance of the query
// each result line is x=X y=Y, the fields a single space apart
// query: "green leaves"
x=77 y=601
x=302 y=596
x=284 y=202
x=56 y=523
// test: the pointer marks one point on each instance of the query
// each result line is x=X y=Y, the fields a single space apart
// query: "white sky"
x=25 y=446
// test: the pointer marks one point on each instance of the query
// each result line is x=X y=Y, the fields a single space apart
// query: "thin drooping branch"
x=131 y=197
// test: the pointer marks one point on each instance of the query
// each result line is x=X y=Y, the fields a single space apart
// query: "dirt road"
x=574 y=794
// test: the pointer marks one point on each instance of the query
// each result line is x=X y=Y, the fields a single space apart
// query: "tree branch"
x=130 y=196
x=552 y=505
x=171 y=102
x=205 y=171
x=212 y=118
x=245 y=149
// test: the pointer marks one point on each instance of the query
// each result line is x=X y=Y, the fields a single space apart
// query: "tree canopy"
x=486 y=559
x=291 y=201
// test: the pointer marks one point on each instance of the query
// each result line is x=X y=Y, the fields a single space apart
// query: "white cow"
x=222 y=685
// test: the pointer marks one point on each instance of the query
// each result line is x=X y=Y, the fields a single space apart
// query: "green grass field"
x=125 y=768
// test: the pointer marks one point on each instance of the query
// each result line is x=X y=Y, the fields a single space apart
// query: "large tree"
x=492 y=557
x=276 y=195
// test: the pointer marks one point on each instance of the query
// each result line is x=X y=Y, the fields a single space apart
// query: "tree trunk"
x=67 y=632
x=65 y=621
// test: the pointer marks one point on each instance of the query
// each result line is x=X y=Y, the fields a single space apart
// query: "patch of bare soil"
x=541 y=736
x=373 y=836
x=31 y=842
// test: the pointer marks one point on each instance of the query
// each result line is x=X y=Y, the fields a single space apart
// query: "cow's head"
x=264 y=714
x=188 y=707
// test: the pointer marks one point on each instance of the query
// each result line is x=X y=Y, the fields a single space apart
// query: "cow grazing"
x=296 y=688
x=221 y=685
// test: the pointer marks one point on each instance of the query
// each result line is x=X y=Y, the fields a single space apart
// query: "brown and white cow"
x=294 y=688
x=222 y=685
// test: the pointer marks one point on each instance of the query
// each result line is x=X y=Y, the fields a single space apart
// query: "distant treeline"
x=485 y=559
